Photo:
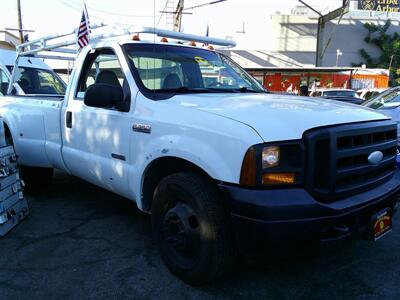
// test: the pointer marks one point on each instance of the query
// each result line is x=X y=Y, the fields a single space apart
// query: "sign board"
x=379 y=5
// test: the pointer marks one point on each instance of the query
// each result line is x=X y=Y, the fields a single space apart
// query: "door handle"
x=68 y=119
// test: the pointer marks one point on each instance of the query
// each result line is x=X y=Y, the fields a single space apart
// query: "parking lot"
x=81 y=241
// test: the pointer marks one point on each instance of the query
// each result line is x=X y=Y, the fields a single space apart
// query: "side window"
x=35 y=81
x=4 y=81
x=103 y=67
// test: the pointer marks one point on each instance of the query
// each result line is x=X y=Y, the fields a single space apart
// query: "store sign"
x=379 y=5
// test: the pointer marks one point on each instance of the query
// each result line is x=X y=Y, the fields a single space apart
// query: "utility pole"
x=178 y=16
x=181 y=9
x=338 y=53
x=391 y=61
x=390 y=64
x=21 y=33
x=322 y=20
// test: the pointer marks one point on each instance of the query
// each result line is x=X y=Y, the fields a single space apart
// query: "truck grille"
x=337 y=163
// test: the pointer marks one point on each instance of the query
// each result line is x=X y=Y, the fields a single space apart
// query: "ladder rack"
x=51 y=43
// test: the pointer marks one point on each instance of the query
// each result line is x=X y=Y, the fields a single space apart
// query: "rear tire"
x=192 y=228
x=33 y=177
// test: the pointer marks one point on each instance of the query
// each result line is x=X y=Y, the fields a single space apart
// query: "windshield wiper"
x=183 y=89
x=248 y=90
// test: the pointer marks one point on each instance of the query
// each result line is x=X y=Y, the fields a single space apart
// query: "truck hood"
x=278 y=117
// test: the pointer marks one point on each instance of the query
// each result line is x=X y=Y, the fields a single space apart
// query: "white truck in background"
x=34 y=78
x=222 y=165
x=39 y=78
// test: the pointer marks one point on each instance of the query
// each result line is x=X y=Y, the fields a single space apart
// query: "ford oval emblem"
x=375 y=158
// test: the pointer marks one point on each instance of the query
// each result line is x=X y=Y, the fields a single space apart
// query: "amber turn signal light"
x=248 y=175
x=279 y=178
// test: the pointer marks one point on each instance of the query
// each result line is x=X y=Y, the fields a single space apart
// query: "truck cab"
x=221 y=165
x=34 y=77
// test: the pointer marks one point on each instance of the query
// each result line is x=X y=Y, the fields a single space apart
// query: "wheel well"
x=7 y=133
x=161 y=168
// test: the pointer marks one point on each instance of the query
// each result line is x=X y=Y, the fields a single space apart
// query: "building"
x=296 y=36
x=8 y=40
x=290 y=79
x=291 y=60
x=294 y=39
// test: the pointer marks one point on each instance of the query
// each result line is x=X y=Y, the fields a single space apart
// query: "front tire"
x=192 y=228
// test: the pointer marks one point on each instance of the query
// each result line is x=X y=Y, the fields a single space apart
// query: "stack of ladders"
x=13 y=205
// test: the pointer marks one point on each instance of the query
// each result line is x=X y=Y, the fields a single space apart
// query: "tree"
x=388 y=44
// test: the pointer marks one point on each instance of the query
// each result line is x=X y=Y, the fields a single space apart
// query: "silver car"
x=388 y=103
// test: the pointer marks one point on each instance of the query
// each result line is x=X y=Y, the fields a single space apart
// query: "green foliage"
x=388 y=44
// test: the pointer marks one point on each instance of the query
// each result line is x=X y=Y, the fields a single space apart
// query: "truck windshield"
x=176 y=69
x=35 y=81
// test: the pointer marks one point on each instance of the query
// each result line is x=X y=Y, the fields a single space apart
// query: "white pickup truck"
x=223 y=166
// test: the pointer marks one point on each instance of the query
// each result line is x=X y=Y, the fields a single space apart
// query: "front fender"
x=215 y=144
x=199 y=153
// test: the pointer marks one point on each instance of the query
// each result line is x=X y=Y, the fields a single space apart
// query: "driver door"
x=97 y=140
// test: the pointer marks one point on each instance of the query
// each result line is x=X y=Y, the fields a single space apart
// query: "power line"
x=205 y=4
x=78 y=7
x=162 y=13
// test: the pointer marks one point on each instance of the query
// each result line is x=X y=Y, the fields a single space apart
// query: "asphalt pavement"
x=81 y=241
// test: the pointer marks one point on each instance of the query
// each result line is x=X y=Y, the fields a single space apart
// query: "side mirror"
x=103 y=95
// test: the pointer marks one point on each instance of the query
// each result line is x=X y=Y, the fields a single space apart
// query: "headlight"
x=270 y=157
x=274 y=164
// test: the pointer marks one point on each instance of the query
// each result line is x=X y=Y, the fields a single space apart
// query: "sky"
x=224 y=19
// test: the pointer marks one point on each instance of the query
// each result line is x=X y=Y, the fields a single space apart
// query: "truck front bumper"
x=280 y=218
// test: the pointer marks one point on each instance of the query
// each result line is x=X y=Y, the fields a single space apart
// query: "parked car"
x=344 y=95
x=387 y=103
x=368 y=94
x=222 y=166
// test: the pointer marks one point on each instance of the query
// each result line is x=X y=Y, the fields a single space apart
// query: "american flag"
x=84 y=29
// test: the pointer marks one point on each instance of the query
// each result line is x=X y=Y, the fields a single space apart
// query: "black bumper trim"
x=293 y=217
x=297 y=203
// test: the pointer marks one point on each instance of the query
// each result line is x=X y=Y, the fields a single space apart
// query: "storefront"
x=290 y=79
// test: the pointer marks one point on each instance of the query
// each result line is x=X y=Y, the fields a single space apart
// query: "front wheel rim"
x=181 y=235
